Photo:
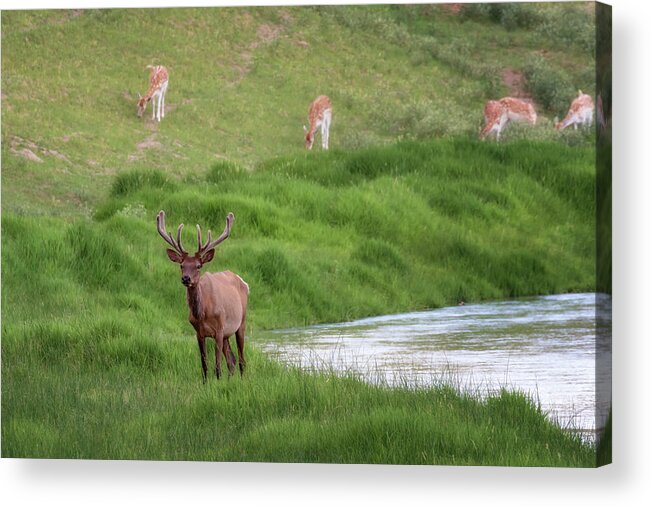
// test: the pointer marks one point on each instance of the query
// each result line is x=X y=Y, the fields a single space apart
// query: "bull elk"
x=217 y=301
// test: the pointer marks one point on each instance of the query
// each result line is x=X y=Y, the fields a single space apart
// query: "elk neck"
x=194 y=301
x=312 y=129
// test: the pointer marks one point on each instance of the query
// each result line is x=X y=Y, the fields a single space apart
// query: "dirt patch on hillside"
x=32 y=151
x=285 y=16
x=266 y=34
x=28 y=154
x=149 y=143
x=516 y=83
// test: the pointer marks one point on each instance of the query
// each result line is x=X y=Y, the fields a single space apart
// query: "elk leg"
x=219 y=349
x=501 y=126
x=326 y=131
x=228 y=354
x=162 y=109
x=201 y=340
x=239 y=336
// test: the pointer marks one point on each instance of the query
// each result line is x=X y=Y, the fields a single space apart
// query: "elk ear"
x=207 y=257
x=174 y=256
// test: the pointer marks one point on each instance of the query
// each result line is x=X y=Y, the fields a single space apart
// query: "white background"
x=626 y=482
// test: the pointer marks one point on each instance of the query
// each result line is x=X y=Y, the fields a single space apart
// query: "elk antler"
x=160 y=221
x=209 y=245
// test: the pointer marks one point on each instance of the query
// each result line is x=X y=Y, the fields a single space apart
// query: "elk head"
x=309 y=138
x=142 y=104
x=557 y=123
x=191 y=264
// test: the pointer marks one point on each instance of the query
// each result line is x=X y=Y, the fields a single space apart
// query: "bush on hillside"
x=563 y=25
x=570 y=26
x=132 y=181
x=551 y=88
x=224 y=170
x=510 y=16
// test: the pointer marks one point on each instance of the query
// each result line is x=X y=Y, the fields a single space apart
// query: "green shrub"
x=419 y=119
x=224 y=171
x=549 y=86
x=131 y=181
x=509 y=15
x=517 y=15
x=573 y=25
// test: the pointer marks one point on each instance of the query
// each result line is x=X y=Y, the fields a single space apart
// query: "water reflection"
x=544 y=346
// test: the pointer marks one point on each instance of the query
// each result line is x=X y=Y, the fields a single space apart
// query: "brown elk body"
x=320 y=116
x=498 y=113
x=580 y=112
x=217 y=301
x=158 y=81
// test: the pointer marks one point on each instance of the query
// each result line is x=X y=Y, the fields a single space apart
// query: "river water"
x=544 y=346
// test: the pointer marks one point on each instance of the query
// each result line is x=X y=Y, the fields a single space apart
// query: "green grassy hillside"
x=407 y=211
x=241 y=81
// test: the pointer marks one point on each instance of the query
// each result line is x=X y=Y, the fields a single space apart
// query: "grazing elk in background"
x=158 y=79
x=217 y=301
x=497 y=113
x=320 y=114
x=580 y=112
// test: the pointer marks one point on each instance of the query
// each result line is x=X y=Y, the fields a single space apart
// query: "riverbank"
x=543 y=346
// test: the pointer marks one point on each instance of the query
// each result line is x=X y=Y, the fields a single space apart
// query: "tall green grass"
x=99 y=361
x=121 y=410
x=415 y=225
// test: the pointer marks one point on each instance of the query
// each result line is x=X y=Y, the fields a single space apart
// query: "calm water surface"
x=545 y=346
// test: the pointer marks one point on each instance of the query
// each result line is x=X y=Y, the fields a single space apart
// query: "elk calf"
x=217 y=301
x=580 y=112
x=320 y=114
x=158 y=79
x=498 y=113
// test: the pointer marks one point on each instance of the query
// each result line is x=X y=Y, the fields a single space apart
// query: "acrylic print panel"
x=409 y=257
